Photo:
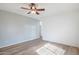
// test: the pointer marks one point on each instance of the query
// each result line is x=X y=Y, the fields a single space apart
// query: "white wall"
x=62 y=27
x=15 y=28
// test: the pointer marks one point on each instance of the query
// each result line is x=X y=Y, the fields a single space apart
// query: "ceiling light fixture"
x=33 y=9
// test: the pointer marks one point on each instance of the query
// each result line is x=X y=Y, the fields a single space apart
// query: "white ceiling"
x=50 y=9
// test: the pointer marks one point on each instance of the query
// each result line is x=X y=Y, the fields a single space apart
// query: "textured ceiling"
x=50 y=9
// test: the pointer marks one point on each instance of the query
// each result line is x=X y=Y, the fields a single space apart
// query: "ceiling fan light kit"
x=33 y=9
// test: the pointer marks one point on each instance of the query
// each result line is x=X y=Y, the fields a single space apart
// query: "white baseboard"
x=13 y=43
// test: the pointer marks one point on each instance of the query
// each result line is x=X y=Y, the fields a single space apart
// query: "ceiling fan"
x=33 y=9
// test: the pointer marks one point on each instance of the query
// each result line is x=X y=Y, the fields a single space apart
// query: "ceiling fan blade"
x=28 y=12
x=32 y=4
x=25 y=8
x=37 y=13
x=40 y=9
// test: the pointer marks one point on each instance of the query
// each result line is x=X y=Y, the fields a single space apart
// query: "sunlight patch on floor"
x=49 y=49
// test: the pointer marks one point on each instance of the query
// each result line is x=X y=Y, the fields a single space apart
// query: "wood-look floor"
x=28 y=48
